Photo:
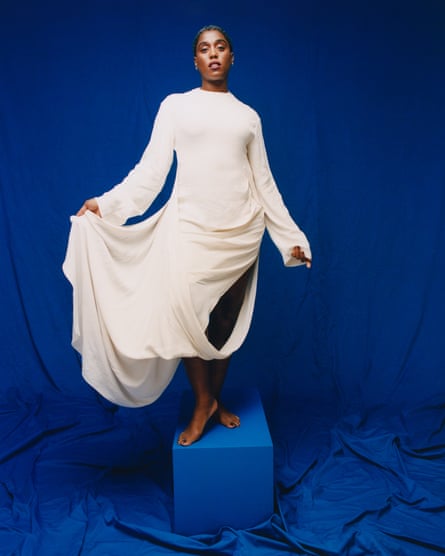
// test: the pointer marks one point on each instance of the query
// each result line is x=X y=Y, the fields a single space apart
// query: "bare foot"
x=195 y=428
x=226 y=418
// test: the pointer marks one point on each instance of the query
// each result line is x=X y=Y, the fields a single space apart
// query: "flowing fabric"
x=349 y=358
x=143 y=293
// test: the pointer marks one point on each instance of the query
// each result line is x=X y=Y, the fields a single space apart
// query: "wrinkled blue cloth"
x=79 y=478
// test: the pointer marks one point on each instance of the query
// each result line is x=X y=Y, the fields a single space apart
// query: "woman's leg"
x=198 y=372
x=225 y=314
x=218 y=371
x=207 y=377
x=221 y=323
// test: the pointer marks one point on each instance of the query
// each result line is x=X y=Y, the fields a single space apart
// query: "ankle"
x=204 y=401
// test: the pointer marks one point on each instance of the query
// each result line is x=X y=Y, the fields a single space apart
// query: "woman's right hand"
x=91 y=205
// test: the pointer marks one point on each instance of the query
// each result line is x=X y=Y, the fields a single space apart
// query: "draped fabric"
x=143 y=294
x=348 y=357
x=134 y=314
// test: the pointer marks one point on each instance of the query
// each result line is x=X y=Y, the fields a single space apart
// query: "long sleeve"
x=137 y=191
x=282 y=229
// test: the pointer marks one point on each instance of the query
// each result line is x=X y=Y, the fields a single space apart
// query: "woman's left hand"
x=298 y=253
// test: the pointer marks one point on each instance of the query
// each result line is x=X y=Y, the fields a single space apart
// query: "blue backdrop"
x=349 y=356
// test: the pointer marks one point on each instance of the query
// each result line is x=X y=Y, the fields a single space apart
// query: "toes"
x=182 y=440
x=230 y=421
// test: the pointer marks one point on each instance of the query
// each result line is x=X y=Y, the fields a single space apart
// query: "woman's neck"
x=215 y=87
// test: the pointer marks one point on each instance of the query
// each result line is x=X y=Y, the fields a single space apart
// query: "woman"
x=182 y=283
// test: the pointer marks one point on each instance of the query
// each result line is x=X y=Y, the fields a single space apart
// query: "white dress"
x=142 y=293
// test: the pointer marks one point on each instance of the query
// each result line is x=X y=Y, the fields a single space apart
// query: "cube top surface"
x=253 y=431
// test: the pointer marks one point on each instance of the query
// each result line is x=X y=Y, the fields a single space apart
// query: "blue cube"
x=226 y=478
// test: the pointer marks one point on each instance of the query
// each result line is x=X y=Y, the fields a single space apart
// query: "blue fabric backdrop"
x=349 y=357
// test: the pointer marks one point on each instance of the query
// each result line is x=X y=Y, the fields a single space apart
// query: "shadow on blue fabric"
x=349 y=357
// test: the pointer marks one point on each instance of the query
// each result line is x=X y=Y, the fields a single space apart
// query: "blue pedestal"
x=226 y=478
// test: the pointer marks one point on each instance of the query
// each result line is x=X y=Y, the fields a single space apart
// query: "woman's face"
x=213 y=59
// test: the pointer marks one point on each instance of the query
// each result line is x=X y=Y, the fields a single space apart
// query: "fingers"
x=91 y=205
x=82 y=210
x=298 y=253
